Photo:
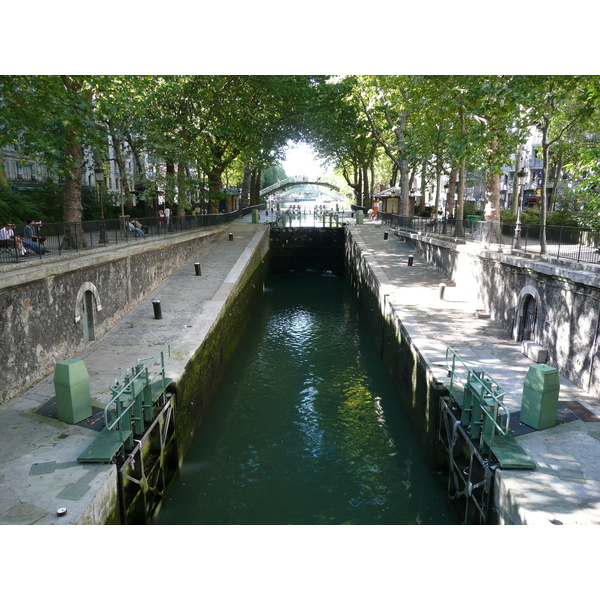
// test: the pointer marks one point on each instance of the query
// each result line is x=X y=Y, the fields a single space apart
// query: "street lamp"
x=444 y=216
x=99 y=171
x=521 y=178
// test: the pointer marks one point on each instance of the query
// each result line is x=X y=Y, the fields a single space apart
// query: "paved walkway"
x=39 y=473
x=565 y=486
x=38 y=469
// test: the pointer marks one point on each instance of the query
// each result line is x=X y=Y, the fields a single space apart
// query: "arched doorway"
x=86 y=304
x=87 y=313
x=529 y=318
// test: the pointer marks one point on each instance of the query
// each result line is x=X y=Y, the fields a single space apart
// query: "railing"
x=480 y=398
x=427 y=225
x=579 y=244
x=75 y=238
x=131 y=405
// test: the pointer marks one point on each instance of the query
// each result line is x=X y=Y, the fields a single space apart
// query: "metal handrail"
x=479 y=375
x=109 y=233
x=138 y=371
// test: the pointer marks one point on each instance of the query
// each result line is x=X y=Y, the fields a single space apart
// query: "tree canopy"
x=206 y=129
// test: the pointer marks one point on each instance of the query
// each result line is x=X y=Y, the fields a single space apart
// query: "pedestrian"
x=161 y=217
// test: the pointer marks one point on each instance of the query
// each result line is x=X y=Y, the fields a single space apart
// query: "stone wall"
x=566 y=297
x=43 y=307
x=199 y=382
x=417 y=389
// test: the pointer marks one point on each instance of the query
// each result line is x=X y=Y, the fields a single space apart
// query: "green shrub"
x=507 y=216
x=564 y=218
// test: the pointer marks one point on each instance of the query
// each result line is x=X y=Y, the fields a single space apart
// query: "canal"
x=306 y=428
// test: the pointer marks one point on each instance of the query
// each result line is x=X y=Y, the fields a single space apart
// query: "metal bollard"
x=442 y=290
x=385 y=235
x=157 y=309
x=231 y=237
x=197 y=267
x=410 y=260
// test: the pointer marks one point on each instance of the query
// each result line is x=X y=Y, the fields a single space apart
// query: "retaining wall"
x=42 y=308
x=566 y=295
x=416 y=387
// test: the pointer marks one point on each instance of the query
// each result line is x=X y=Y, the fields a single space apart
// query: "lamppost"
x=522 y=178
x=444 y=216
x=99 y=171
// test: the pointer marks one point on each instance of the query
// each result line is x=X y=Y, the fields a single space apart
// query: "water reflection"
x=306 y=428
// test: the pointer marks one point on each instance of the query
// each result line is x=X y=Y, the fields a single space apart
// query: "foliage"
x=272 y=174
x=206 y=131
x=507 y=216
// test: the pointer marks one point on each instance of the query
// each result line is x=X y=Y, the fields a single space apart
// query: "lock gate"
x=475 y=438
x=135 y=396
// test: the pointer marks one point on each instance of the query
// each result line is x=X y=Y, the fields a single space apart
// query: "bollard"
x=231 y=237
x=157 y=309
x=410 y=260
x=442 y=290
x=385 y=235
x=197 y=267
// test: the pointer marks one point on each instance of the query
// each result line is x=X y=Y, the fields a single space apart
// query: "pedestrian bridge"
x=295 y=181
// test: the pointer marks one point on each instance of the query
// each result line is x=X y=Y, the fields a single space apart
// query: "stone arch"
x=528 y=295
x=86 y=287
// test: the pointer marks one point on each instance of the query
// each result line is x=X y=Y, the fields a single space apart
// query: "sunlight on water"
x=306 y=428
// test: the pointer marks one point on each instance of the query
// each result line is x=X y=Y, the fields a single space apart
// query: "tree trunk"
x=394 y=176
x=214 y=190
x=450 y=195
x=244 y=200
x=182 y=199
x=255 y=187
x=423 y=188
x=3 y=179
x=557 y=180
x=404 y=189
x=460 y=204
x=365 y=186
x=74 y=237
x=438 y=186
x=170 y=184
x=492 y=203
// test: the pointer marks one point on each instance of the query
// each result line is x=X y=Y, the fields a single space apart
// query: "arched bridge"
x=295 y=181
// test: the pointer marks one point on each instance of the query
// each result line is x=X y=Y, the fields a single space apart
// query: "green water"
x=306 y=428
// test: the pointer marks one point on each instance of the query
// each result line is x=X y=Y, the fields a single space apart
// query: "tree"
x=51 y=117
x=556 y=105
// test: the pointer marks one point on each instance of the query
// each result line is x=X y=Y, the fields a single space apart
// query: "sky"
x=301 y=160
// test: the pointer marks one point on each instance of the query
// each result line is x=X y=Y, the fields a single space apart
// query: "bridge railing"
x=295 y=180
x=71 y=239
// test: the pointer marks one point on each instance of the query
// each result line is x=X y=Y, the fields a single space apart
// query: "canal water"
x=306 y=428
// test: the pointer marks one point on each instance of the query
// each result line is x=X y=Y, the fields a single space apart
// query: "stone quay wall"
x=50 y=312
x=552 y=306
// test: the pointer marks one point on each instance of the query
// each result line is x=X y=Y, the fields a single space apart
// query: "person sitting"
x=31 y=232
x=135 y=227
x=8 y=239
x=8 y=235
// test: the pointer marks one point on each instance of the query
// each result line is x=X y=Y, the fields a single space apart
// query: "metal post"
x=197 y=267
x=522 y=177
x=410 y=260
x=99 y=179
x=157 y=309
